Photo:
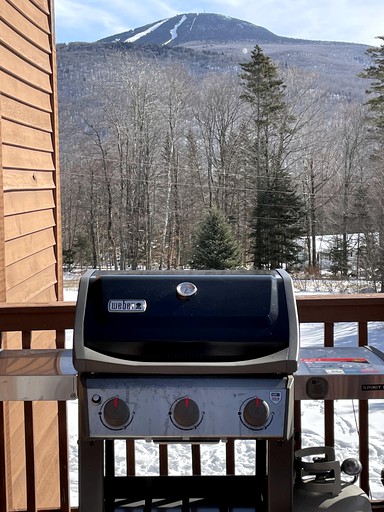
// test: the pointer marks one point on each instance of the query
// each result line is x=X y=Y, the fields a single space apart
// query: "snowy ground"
x=213 y=456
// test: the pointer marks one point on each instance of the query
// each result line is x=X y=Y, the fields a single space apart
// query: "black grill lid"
x=195 y=321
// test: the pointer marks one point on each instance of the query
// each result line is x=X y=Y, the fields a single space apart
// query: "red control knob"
x=256 y=412
x=185 y=412
x=116 y=412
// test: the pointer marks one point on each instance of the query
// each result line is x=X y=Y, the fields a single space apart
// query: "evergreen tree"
x=337 y=254
x=264 y=92
x=278 y=211
x=215 y=247
x=375 y=73
x=277 y=223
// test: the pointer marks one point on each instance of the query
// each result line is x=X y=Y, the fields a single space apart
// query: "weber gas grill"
x=184 y=357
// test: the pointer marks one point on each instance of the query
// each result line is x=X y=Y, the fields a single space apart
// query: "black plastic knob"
x=256 y=412
x=116 y=412
x=186 y=412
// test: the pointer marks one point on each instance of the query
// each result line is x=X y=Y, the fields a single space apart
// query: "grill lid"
x=195 y=321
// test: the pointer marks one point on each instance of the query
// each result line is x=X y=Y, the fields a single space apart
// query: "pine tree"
x=375 y=73
x=277 y=223
x=264 y=92
x=216 y=247
x=337 y=254
x=278 y=211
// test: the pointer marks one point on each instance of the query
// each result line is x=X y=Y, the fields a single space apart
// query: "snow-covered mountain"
x=212 y=41
x=191 y=27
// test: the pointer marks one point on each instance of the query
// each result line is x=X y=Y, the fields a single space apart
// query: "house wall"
x=30 y=231
x=29 y=162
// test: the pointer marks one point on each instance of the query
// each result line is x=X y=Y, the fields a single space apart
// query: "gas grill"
x=183 y=357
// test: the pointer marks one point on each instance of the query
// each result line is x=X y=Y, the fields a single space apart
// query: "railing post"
x=329 y=406
x=196 y=459
x=30 y=469
x=64 y=483
x=163 y=462
x=364 y=421
x=3 y=464
x=65 y=505
x=363 y=445
x=130 y=452
x=30 y=457
x=230 y=457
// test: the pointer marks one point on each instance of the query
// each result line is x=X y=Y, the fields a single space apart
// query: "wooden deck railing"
x=324 y=309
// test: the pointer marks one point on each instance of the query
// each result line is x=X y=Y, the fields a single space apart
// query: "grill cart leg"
x=91 y=477
x=280 y=476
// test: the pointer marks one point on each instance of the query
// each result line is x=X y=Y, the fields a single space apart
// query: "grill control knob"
x=116 y=412
x=255 y=412
x=185 y=412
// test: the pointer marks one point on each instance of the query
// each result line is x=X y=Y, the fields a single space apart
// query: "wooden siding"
x=2 y=224
x=30 y=230
x=29 y=160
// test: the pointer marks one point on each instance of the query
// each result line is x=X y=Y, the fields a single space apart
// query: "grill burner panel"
x=168 y=408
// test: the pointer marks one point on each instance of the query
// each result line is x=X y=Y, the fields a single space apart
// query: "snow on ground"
x=213 y=456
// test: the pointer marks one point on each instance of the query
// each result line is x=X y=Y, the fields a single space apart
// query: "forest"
x=154 y=146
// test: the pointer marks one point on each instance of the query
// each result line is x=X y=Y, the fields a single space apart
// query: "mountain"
x=197 y=27
x=337 y=63
x=205 y=42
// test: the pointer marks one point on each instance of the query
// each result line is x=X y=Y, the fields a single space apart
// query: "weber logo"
x=127 y=305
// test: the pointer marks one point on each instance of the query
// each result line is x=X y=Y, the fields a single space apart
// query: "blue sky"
x=330 y=20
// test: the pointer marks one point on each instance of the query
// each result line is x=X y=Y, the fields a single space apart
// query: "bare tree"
x=350 y=133
x=174 y=98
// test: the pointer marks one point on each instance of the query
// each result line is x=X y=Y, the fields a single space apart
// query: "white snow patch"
x=193 y=22
x=145 y=32
x=173 y=31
